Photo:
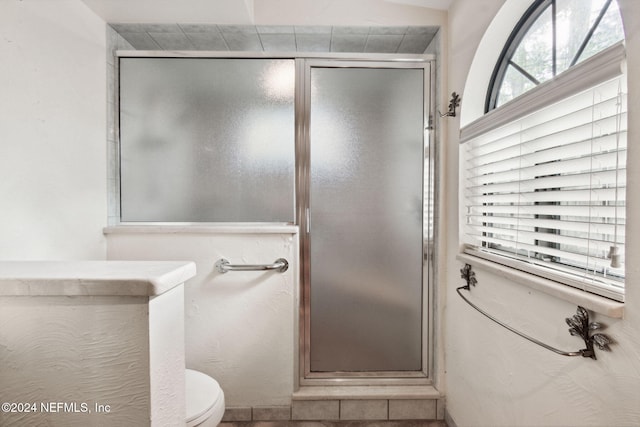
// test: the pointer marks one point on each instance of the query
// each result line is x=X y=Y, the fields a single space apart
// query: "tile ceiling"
x=375 y=39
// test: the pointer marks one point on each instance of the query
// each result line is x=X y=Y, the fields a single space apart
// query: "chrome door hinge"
x=430 y=123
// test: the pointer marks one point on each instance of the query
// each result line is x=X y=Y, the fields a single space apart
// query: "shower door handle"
x=280 y=265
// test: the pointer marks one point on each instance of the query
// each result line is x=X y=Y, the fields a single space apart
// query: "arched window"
x=545 y=168
x=552 y=36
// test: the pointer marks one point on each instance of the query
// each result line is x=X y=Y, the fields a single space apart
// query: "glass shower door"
x=363 y=250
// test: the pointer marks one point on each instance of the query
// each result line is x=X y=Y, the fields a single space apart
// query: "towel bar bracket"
x=579 y=324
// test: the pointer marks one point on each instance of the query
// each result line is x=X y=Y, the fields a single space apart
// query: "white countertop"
x=99 y=278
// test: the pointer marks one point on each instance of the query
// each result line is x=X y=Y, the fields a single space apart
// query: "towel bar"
x=280 y=265
x=579 y=324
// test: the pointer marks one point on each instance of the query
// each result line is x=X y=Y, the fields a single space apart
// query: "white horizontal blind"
x=545 y=193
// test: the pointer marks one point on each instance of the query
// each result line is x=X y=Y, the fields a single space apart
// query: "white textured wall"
x=166 y=358
x=52 y=130
x=79 y=349
x=495 y=378
x=124 y=352
x=240 y=326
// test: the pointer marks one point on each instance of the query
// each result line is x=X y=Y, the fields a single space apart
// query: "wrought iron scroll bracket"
x=453 y=105
x=579 y=324
x=469 y=276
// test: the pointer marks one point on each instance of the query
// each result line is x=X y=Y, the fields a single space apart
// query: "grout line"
x=388 y=403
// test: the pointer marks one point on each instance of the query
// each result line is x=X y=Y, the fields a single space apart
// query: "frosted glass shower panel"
x=366 y=205
x=207 y=140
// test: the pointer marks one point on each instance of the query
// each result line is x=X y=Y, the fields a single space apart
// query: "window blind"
x=545 y=193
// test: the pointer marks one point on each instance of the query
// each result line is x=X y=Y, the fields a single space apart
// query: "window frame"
x=530 y=16
x=521 y=29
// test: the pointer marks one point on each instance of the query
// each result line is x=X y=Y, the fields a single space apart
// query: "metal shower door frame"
x=303 y=64
x=303 y=111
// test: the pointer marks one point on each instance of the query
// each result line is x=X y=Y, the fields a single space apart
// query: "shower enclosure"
x=340 y=146
x=364 y=213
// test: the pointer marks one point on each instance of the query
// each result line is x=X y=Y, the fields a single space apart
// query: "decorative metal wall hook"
x=579 y=324
x=453 y=104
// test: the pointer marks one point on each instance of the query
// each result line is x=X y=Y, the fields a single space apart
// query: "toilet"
x=204 y=398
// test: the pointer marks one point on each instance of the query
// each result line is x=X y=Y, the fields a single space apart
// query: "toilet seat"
x=204 y=399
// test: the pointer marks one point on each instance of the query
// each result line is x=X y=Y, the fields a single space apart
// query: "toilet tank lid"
x=202 y=393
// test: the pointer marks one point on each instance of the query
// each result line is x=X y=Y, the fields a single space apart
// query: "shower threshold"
x=366 y=392
x=351 y=402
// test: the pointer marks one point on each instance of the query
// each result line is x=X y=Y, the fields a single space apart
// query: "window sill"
x=587 y=300
x=201 y=228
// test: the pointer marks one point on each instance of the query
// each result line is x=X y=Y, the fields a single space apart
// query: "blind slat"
x=541 y=161
x=586 y=211
x=534 y=134
x=602 y=195
x=520 y=235
x=554 y=146
x=576 y=259
x=600 y=179
x=567 y=225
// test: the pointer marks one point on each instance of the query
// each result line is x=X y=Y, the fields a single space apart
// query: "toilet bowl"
x=205 y=400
